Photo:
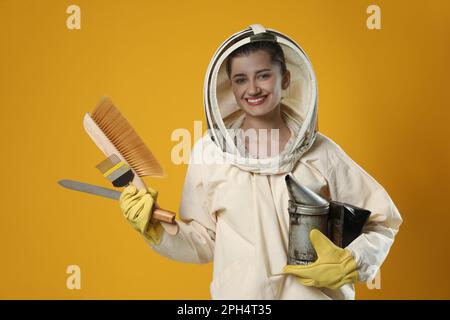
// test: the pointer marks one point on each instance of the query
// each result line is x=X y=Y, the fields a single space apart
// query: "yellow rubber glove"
x=333 y=268
x=137 y=206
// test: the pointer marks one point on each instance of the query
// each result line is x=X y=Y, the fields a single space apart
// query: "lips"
x=256 y=101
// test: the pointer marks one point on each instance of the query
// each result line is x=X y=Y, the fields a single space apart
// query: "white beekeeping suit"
x=234 y=207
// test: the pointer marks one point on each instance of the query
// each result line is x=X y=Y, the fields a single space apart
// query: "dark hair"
x=272 y=48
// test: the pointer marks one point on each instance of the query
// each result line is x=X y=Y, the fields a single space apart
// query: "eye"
x=264 y=76
x=239 y=80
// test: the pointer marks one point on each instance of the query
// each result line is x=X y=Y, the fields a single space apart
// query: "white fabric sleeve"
x=194 y=240
x=349 y=183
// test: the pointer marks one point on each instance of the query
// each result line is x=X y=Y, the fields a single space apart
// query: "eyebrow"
x=242 y=74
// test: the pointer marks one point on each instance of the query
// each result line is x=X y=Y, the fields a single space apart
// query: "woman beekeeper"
x=234 y=207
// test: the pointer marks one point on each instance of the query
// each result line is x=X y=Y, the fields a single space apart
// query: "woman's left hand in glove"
x=333 y=268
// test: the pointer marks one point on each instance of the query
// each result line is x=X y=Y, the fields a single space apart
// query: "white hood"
x=299 y=103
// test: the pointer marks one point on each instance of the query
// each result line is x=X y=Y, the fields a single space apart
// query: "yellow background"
x=383 y=96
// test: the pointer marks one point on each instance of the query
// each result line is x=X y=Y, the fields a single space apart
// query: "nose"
x=253 y=89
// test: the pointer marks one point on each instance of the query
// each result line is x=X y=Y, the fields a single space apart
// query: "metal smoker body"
x=307 y=211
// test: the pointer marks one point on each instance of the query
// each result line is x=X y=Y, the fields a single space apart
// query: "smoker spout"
x=301 y=194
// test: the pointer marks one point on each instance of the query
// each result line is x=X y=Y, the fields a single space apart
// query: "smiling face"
x=257 y=83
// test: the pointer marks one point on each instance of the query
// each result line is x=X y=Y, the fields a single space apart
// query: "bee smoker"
x=307 y=211
x=340 y=222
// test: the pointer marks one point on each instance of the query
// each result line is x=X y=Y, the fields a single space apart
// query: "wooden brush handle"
x=163 y=215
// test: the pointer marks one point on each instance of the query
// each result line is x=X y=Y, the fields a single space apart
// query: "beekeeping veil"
x=298 y=105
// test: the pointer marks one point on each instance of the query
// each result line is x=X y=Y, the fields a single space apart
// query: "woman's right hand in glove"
x=137 y=207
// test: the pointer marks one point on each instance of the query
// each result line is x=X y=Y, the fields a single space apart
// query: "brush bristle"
x=125 y=139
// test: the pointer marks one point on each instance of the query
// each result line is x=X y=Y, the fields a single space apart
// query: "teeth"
x=255 y=100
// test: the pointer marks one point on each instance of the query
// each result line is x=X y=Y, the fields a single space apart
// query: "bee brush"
x=112 y=134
